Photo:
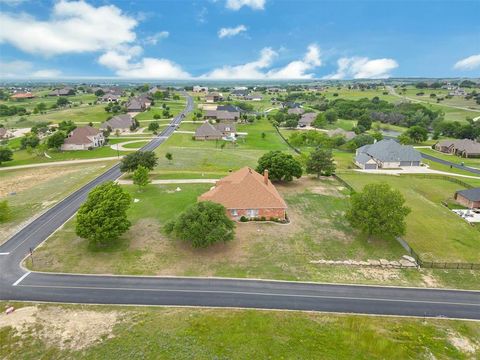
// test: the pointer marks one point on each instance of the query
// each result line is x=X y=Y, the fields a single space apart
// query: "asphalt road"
x=18 y=284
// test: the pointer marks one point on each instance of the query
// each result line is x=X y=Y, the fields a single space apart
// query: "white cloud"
x=469 y=63
x=74 y=27
x=155 y=38
x=298 y=69
x=47 y=73
x=258 y=69
x=238 y=4
x=229 y=32
x=251 y=70
x=123 y=62
x=25 y=69
x=363 y=68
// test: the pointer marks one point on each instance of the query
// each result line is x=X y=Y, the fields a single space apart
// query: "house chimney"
x=265 y=176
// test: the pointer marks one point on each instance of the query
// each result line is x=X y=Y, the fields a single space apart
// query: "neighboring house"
x=110 y=98
x=239 y=93
x=457 y=92
x=291 y=105
x=348 y=135
x=122 y=123
x=469 y=198
x=386 y=154
x=135 y=105
x=213 y=97
x=84 y=138
x=21 y=96
x=296 y=111
x=464 y=147
x=197 y=88
x=276 y=90
x=5 y=134
x=247 y=193
x=307 y=119
x=209 y=131
x=62 y=92
x=253 y=97
x=224 y=113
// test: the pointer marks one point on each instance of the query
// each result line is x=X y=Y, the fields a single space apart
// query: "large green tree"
x=331 y=116
x=103 y=217
x=378 y=211
x=131 y=162
x=202 y=224
x=280 y=166
x=6 y=154
x=320 y=162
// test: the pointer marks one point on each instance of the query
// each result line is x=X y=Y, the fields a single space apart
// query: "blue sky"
x=233 y=39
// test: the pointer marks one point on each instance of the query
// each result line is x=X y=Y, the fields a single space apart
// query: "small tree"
x=263 y=135
x=103 y=217
x=56 y=140
x=320 y=121
x=140 y=177
x=6 y=154
x=202 y=224
x=378 y=210
x=281 y=166
x=62 y=101
x=331 y=116
x=30 y=140
x=153 y=126
x=169 y=156
x=132 y=161
x=320 y=162
x=4 y=211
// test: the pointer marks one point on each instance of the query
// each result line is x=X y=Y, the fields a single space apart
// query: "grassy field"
x=208 y=156
x=54 y=332
x=317 y=231
x=38 y=189
x=435 y=232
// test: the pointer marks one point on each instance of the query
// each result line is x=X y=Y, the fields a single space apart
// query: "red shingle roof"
x=245 y=189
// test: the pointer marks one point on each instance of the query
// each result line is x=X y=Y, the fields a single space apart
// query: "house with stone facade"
x=249 y=194
x=83 y=138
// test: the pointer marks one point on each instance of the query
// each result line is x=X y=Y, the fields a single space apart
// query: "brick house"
x=247 y=193
x=469 y=198
x=464 y=147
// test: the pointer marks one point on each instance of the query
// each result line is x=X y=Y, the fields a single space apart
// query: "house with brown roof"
x=247 y=193
x=108 y=98
x=469 y=198
x=209 y=131
x=122 y=123
x=84 y=138
x=62 y=92
x=22 y=96
x=348 y=135
x=5 y=134
x=307 y=119
x=296 y=111
x=213 y=97
x=464 y=147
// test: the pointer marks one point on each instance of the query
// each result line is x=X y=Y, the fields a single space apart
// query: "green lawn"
x=38 y=189
x=178 y=333
x=435 y=232
x=136 y=145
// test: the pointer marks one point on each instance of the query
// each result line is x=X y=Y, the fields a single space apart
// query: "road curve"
x=21 y=285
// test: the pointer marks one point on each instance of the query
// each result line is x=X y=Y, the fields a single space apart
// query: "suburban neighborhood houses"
x=464 y=148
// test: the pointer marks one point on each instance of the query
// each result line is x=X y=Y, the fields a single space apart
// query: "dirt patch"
x=379 y=274
x=462 y=343
x=146 y=234
x=63 y=328
x=323 y=184
x=430 y=281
